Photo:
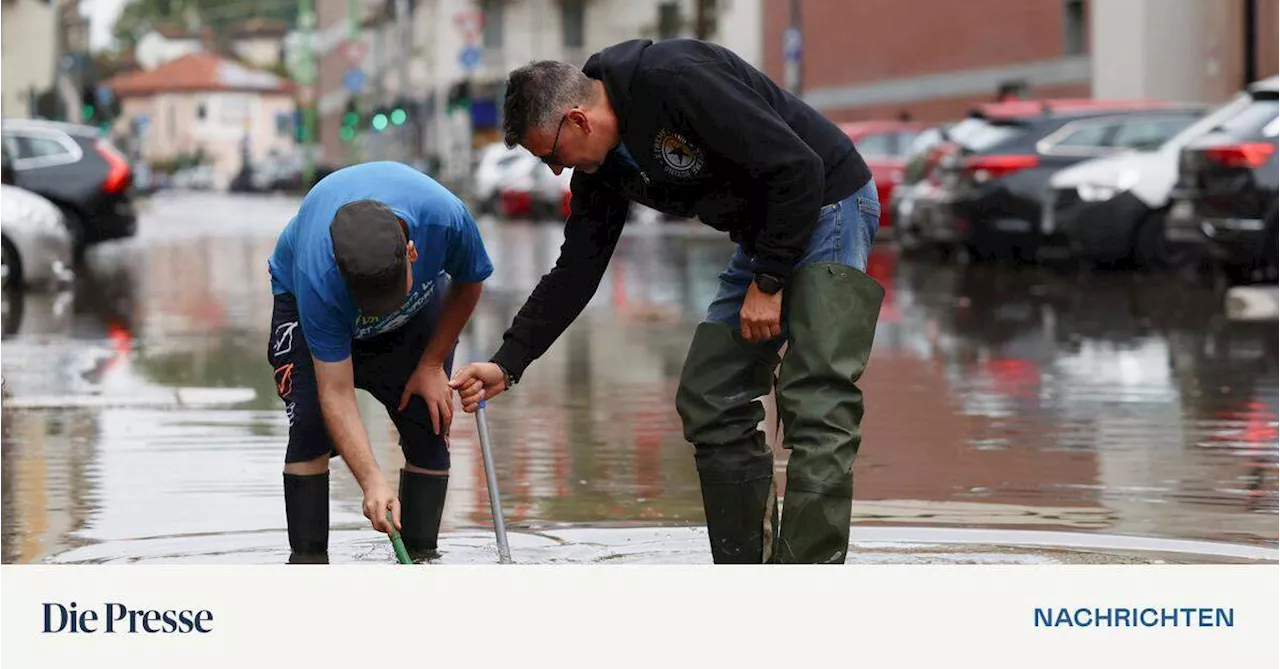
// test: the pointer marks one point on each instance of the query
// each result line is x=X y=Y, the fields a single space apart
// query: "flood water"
x=1007 y=408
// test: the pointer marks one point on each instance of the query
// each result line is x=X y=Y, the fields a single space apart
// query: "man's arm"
x=597 y=214
x=459 y=303
x=429 y=379
x=335 y=382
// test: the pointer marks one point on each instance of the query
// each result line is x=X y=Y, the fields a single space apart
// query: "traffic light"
x=379 y=120
x=399 y=116
x=350 y=120
x=88 y=104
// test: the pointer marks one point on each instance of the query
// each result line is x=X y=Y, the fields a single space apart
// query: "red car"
x=883 y=144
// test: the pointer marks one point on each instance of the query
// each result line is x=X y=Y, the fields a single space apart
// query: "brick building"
x=934 y=59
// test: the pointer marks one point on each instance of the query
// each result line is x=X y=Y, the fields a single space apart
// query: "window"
x=1086 y=136
x=1073 y=36
x=1252 y=122
x=669 y=20
x=492 y=23
x=42 y=147
x=202 y=110
x=876 y=144
x=1148 y=133
x=572 y=20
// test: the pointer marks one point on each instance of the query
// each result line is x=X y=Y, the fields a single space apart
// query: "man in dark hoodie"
x=690 y=129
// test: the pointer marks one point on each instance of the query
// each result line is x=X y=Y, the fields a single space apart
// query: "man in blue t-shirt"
x=373 y=281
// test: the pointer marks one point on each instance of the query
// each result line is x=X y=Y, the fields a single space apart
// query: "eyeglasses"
x=550 y=159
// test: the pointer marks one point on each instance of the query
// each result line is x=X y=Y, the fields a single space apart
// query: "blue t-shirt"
x=302 y=265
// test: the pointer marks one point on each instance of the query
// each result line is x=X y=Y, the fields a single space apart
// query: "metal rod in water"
x=491 y=478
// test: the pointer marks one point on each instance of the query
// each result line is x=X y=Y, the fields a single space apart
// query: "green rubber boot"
x=831 y=320
x=421 y=508
x=723 y=376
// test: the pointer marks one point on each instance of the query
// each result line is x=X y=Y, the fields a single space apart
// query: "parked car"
x=1227 y=187
x=1115 y=208
x=37 y=247
x=497 y=166
x=535 y=191
x=883 y=145
x=996 y=182
x=77 y=169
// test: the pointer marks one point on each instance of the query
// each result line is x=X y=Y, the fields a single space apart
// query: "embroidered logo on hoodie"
x=679 y=158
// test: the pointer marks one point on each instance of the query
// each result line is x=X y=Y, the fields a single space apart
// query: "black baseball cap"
x=369 y=246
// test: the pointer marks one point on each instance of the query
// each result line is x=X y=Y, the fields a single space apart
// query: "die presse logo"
x=116 y=618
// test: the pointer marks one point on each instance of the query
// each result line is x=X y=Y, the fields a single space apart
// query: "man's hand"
x=431 y=384
x=378 y=497
x=477 y=381
x=761 y=314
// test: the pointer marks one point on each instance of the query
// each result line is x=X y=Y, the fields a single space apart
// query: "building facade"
x=448 y=64
x=205 y=104
x=28 y=54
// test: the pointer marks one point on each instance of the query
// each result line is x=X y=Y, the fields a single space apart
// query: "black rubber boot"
x=306 y=507
x=723 y=378
x=421 y=507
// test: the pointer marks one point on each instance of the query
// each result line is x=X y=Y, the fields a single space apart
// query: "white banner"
x=640 y=616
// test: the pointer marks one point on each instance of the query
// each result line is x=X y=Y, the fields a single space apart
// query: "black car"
x=996 y=184
x=79 y=170
x=1227 y=188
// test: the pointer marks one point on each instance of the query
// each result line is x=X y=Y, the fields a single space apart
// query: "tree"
x=140 y=16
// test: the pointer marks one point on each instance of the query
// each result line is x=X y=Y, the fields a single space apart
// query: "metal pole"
x=307 y=20
x=353 y=33
x=491 y=478
x=406 y=54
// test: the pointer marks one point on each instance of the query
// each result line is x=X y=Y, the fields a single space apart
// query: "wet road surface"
x=1014 y=414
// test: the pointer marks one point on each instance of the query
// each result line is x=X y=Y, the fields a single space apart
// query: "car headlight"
x=1101 y=192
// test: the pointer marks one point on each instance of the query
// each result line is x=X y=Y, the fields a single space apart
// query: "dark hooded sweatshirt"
x=703 y=134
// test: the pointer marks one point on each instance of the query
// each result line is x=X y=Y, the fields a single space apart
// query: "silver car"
x=37 y=246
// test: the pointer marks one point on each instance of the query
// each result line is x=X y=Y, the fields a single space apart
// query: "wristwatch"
x=769 y=284
x=507 y=379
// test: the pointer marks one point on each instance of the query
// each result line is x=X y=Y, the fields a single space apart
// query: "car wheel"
x=76 y=228
x=1151 y=250
x=12 y=270
x=909 y=242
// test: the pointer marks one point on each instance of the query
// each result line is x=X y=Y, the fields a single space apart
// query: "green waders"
x=831 y=324
x=831 y=311
x=722 y=378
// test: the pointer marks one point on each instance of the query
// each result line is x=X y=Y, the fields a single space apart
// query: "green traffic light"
x=347 y=133
x=350 y=118
x=398 y=117
x=86 y=112
x=379 y=121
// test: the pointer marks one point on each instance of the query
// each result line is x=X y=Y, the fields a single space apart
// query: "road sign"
x=470 y=57
x=354 y=51
x=470 y=24
x=353 y=80
x=791 y=45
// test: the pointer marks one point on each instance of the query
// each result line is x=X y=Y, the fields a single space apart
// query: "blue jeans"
x=844 y=234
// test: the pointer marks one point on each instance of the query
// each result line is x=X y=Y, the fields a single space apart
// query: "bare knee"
x=310 y=467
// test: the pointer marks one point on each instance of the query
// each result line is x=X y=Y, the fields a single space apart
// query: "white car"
x=497 y=167
x=1114 y=208
x=37 y=244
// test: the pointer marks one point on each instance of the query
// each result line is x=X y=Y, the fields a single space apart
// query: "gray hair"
x=538 y=95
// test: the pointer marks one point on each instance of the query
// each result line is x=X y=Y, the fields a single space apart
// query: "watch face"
x=768 y=284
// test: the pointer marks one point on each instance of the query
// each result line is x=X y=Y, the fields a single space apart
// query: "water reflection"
x=996 y=396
